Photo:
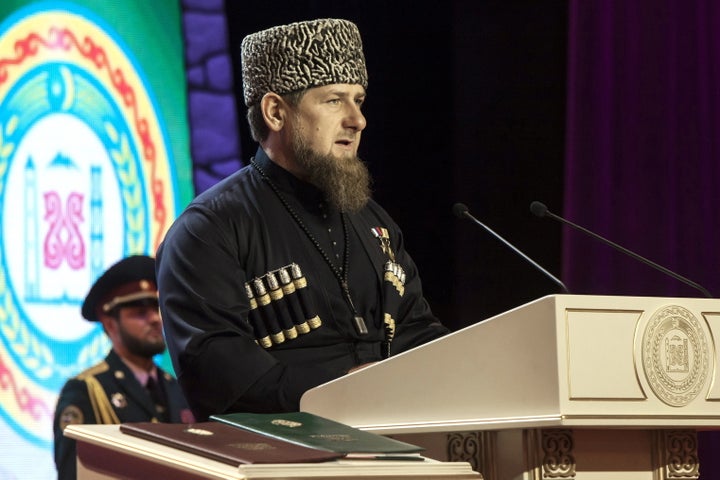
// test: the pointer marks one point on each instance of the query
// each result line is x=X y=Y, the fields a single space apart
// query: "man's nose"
x=355 y=118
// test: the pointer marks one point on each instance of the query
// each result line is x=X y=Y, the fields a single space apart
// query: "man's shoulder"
x=79 y=394
x=235 y=186
x=111 y=367
x=75 y=391
x=94 y=371
x=240 y=197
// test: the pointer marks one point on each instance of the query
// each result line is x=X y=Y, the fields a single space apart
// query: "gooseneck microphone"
x=540 y=210
x=461 y=211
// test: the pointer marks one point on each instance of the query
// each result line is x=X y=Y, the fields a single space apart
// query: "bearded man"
x=287 y=274
x=127 y=386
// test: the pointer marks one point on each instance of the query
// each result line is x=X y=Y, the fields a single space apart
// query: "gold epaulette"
x=103 y=410
x=94 y=370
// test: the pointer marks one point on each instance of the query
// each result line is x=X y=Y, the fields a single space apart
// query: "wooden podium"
x=564 y=387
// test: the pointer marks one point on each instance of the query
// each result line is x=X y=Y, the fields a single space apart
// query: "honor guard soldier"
x=127 y=386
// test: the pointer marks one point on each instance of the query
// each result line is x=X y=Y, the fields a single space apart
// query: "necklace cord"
x=342 y=278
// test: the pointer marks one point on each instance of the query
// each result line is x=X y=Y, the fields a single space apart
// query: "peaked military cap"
x=130 y=280
x=301 y=55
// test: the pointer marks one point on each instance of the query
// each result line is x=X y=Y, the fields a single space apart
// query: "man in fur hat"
x=287 y=274
x=127 y=386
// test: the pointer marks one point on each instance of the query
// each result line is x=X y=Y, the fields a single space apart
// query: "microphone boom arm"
x=541 y=210
x=461 y=211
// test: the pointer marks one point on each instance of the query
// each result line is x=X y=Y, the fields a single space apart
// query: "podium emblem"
x=675 y=355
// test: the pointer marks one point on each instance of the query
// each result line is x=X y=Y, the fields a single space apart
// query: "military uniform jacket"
x=109 y=393
x=238 y=236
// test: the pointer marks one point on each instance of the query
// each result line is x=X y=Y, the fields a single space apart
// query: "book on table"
x=227 y=444
x=314 y=431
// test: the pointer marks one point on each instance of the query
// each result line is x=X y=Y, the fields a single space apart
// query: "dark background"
x=466 y=103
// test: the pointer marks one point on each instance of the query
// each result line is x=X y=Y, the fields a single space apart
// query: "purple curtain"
x=643 y=150
x=643 y=144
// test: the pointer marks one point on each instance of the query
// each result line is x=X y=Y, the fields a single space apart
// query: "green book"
x=311 y=430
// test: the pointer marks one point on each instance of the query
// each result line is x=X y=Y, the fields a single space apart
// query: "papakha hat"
x=129 y=281
x=301 y=55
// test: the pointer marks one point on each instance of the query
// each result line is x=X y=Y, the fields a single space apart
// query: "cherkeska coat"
x=249 y=229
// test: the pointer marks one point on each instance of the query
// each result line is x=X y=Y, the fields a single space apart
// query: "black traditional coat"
x=231 y=242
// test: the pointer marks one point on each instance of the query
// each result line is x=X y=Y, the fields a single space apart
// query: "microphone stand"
x=539 y=209
x=461 y=211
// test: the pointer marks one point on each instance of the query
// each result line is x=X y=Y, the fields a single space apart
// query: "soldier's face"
x=140 y=330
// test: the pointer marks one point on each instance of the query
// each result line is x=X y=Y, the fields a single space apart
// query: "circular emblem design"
x=675 y=355
x=85 y=179
x=118 y=400
x=71 y=415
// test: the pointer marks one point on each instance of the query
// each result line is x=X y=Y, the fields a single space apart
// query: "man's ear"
x=110 y=325
x=274 y=111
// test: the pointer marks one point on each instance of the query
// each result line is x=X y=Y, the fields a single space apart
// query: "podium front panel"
x=562 y=360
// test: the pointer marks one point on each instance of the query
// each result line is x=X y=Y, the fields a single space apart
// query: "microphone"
x=540 y=210
x=461 y=211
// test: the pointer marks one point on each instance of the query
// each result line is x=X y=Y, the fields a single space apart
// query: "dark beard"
x=140 y=347
x=344 y=181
